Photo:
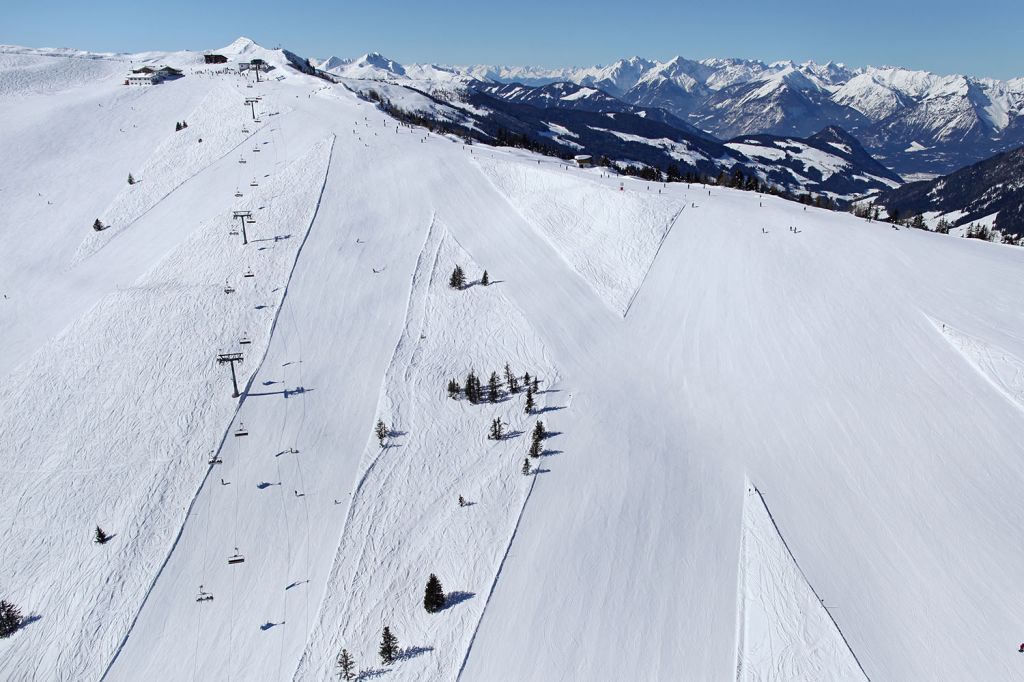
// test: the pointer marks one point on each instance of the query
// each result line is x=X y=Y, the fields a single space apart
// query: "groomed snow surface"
x=771 y=455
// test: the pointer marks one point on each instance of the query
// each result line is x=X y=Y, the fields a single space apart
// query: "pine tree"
x=538 y=431
x=496 y=429
x=381 y=431
x=97 y=225
x=485 y=280
x=388 y=647
x=526 y=466
x=101 y=537
x=528 y=408
x=535 y=450
x=462 y=501
x=458 y=278
x=536 y=384
x=131 y=180
x=433 y=599
x=346 y=666
x=511 y=380
x=526 y=380
x=492 y=388
x=453 y=389
x=10 y=619
x=472 y=387
x=177 y=126
x=918 y=222
x=184 y=124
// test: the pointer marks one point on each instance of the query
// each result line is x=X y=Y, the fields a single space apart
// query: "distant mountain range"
x=914 y=122
x=567 y=119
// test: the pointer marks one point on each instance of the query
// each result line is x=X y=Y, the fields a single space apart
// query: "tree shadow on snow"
x=268 y=625
x=549 y=408
x=550 y=453
x=456 y=598
x=29 y=619
x=413 y=652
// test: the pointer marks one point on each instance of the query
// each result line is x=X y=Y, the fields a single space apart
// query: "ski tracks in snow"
x=784 y=632
x=437 y=451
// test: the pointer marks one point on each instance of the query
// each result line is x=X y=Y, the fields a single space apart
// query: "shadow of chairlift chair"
x=203 y=595
x=236 y=558
x=257 y=149
x=248 y=273
x=254 y=183
x=245 y=340
x=241 y=431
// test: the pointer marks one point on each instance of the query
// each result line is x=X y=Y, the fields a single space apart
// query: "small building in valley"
x=583 y=160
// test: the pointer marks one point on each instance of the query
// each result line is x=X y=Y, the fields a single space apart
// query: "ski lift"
x=241 y=159
x=256 y=149
x=236 y=558
x=250 y=221
x=240 y=431
x=233 y=231
x=203 y=595
x=248 y=273
x=215 y=458
x=245 y=340
x=256 y=120
x=254 y=183
x=238 y=193
x=245 y=129
x=228 y=289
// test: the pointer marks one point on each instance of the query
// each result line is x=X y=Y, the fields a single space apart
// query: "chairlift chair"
x=245 y=340
x=256 y=149
x=250 y=221
x=228 y=289
x=254 y=183
x=236 y=558
x=241 y=431
x=244 y=129
x=215 y=458
x=248 y=273
x=238 y=192
x=233 y=231
x=203 y=595
x=241 y=159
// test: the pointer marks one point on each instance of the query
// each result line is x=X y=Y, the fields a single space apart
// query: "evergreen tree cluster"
x=381 y=431
x=497 y=431
x=458 y=278
x=10 y=619
x=98 y=225
x=131 y=179
x=101 y=537
x=180 y=125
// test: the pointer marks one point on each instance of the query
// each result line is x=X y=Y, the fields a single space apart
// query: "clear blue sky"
x=981 y=38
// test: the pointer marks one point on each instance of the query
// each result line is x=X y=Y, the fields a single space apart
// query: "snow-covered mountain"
x=567 y=119
x=916 y=121
x=989 y=193
x=772 y=442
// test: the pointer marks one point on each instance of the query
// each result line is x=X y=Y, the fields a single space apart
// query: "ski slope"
x=865 y=380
